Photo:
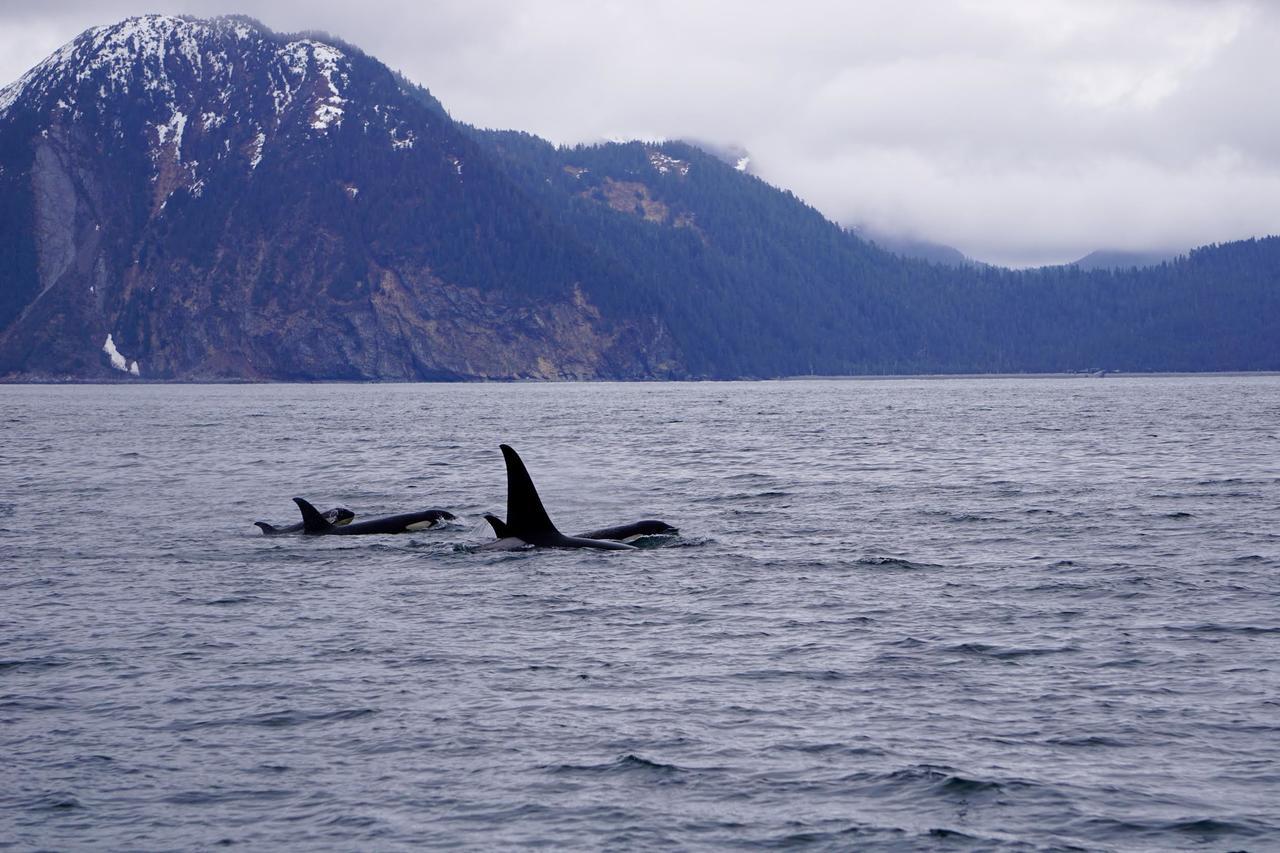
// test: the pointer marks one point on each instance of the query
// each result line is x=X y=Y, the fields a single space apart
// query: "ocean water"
x=988 y=614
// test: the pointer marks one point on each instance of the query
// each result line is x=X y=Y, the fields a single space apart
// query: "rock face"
x=225 y=202
x=186 y=199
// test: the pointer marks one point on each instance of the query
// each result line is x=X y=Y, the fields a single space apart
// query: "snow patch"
x=742 y=164
x=117 y=360
x=326 y=57
x=175 y=127
x=666 y=164
x=298 y=57
x=9 y=94
x=326 y=115
x=143 y=52
x=295 y=56
x=258 y=142
x=401 y=144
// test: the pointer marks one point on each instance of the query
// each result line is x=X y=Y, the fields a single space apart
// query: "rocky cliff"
x=185 y=199
x=206 y=199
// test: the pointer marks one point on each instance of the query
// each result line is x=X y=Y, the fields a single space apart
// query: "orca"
x=628 y=532
x=621 y=533
x=527 y=521
x=337 y=516
x=315 y=524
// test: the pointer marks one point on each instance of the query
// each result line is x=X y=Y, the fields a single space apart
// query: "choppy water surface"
x=988 y=614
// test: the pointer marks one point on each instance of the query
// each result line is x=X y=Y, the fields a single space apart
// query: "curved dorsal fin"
x=499 y=526
x=312 y=520
x=526 y=518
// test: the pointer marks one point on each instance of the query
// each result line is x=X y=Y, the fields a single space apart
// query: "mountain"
x=189 y=199
x=752 y=282
x=922 y=250
x=219 y=201
x=1116 y=259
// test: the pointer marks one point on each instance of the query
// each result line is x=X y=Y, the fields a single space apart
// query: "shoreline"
x=1108 y=375
x=858 y=377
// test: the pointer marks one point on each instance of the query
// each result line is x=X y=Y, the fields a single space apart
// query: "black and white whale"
x=621 y=533
x=315 y=524
x=634 y=530
x=337 y=516
x=527 y=521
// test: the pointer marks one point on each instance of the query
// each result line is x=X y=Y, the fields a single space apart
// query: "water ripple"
x=975 y=614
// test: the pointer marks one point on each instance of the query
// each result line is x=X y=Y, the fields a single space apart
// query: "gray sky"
x=1019 y=131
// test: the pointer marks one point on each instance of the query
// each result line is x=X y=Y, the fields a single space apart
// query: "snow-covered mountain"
x=207 y=198
x=204 y=95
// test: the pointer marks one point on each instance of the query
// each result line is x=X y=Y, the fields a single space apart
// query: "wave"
x=55 y=801
x=1203 y=830
x=1089 y=740
x=933 y=780
x=893 y=563
x=1001 y=653
x=628 y=765
x=33 y=664
x=218 y=794
x=1217 y=628
x=274 y=719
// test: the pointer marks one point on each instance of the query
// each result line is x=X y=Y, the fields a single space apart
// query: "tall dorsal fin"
x=525 y=516
x=312 y=520
x=499 y=526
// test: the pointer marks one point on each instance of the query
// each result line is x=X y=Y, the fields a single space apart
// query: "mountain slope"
x=755 y=283
x=212 y=200
x=230 y=203
x=1110 y=260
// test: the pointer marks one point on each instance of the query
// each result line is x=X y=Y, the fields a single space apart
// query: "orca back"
x=406 y=522
x=648 y=527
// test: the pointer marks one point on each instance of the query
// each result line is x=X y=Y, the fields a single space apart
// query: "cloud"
x=1018 y=132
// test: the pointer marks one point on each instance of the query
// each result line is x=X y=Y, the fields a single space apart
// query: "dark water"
x=963 y=614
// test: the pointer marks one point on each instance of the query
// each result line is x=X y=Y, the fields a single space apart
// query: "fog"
x=1020 y=133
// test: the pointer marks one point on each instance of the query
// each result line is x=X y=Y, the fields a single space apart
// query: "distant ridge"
x=921 y=250
x=1113 y=260
x=190 y=199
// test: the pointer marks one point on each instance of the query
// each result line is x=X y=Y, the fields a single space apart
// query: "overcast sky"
x=1019 y=131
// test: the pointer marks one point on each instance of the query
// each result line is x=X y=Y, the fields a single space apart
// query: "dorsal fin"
x=312 y=520
x=268 y=529
x=526 y=518
x=499 y=526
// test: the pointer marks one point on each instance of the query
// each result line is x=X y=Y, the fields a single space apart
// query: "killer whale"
x=627 y=532
x=620 y=533
x=527 y=520
x=315 y=524
x=337 y=516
